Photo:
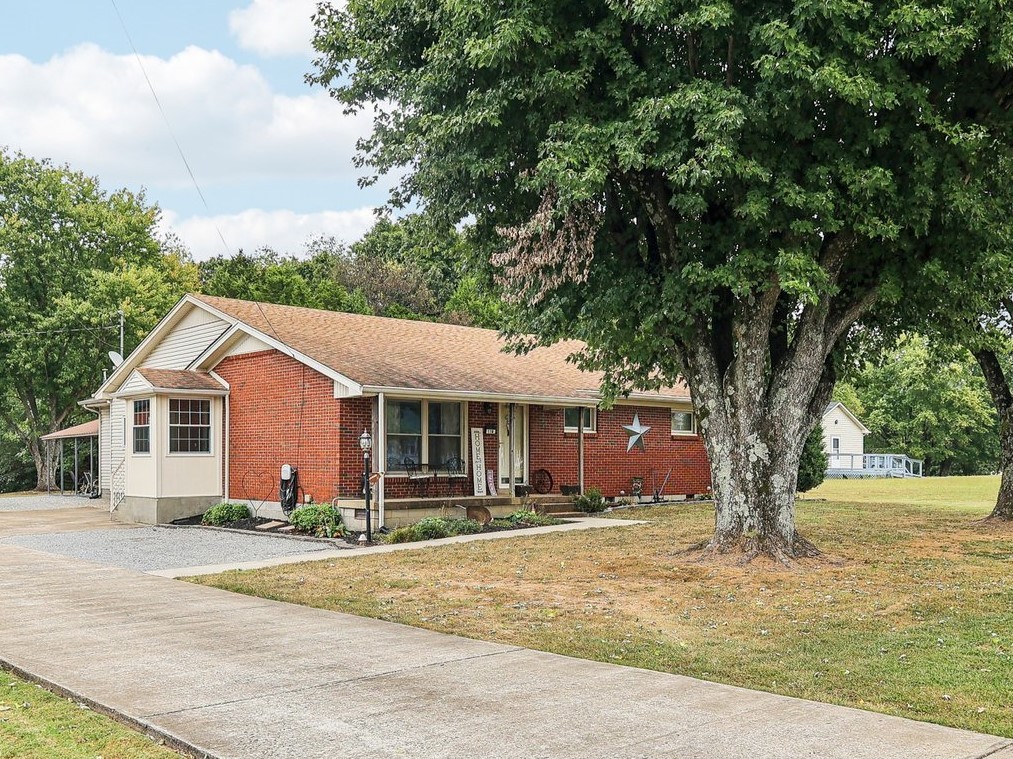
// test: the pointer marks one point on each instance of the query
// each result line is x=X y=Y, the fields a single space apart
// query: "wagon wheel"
x=541 y=481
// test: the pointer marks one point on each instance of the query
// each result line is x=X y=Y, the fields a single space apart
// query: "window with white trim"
x=142 y=426
x=571 y=418
x=427 y=432
x=683 y=423
x=189 y=425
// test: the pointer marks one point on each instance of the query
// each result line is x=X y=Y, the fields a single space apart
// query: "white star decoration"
x=636 y=432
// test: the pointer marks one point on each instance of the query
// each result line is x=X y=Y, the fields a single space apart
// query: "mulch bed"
x=350 y=537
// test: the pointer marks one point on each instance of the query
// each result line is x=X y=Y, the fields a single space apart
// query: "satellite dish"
x=116 y=358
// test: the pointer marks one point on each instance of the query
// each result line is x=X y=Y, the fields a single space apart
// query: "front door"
x=516 y=443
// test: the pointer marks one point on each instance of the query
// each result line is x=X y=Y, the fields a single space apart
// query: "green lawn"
x=35 y=724
x=910 y=612
x=973 y=494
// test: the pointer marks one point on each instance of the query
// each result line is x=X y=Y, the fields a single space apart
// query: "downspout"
x=580 y=450
x=228 y=447
x=380 y=463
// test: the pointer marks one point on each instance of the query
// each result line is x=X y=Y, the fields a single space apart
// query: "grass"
x=911 y=613
x=35 y=724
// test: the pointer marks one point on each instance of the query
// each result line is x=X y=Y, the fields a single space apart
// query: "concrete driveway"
x=42 y=514
x=226 y=675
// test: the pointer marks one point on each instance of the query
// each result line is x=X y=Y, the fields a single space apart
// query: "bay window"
x=189 y=425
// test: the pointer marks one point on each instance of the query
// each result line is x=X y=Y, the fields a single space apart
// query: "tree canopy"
x=928 y=405
x=714 y=190
x=71 y=257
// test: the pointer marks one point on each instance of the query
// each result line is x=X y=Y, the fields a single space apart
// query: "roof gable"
x=848 y=413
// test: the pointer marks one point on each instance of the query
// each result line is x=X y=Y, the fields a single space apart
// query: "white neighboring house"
x=844 y=441
x=843 y=437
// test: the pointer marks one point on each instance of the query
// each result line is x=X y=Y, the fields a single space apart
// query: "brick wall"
x=282 y=412
x=607 y=465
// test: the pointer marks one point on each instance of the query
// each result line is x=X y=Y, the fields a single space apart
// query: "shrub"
x=531 y=518
x=432 y=528
x=591 y=502
x=224 y=513
x=322 y=520
x=812 y=467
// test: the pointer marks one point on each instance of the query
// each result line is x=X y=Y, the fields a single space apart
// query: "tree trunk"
x=754 y=419
x=43 y=473
x=1002 y=397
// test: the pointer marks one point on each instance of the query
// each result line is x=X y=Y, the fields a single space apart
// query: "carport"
x=76 y=435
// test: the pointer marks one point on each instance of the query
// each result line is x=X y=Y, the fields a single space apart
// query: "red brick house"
x=223 y=393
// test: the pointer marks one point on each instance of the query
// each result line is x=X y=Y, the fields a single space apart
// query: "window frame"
x=398 y=470
x=170 y=426
x=135 y=427
x=590 y=428
x=692 y=432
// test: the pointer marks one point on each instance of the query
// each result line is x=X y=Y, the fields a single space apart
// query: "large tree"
x=710 y=190
x=71 y=257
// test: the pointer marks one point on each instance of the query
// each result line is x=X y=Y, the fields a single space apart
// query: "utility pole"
x=121 y=333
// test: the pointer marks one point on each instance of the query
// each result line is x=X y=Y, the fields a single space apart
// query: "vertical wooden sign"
x=478 y=460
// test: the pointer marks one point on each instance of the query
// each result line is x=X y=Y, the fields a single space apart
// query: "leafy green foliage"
x=71 y=256
x=716 y=191
x=322 y=520
x=433 y=528
x=813 y=465
x=530 y=519
x=929 y=406
x=225 y=513
x=590 y=502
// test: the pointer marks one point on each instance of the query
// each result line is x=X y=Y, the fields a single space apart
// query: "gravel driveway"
x=43 y=501
x=151 y=548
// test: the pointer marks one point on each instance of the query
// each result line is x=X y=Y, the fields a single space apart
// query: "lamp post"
x=366 y=443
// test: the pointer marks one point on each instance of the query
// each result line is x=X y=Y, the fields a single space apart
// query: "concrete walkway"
x=235 y=676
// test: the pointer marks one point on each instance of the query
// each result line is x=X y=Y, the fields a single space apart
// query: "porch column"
x=62 y=446
x=510 y=448
x=76 y=459
x=380 y=458
x=580 y=450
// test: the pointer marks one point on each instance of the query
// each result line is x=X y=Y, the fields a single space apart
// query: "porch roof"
x=179 y=379
x=88 y=429
x=390 y=355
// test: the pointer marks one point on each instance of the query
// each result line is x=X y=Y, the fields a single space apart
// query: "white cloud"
x=285 y=231
x=93 y=110
x=275 y=27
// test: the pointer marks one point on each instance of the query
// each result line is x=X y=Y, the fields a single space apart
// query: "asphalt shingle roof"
x=379 y=352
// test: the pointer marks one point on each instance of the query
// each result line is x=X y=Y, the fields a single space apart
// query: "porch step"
x=555 y=508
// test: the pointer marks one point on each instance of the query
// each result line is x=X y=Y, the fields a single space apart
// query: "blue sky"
x=273 y=156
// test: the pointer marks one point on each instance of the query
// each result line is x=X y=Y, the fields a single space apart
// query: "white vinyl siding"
x=117 y=435
x=187 y=340
x=104 y=448
x=837 y=424
x=135 y=382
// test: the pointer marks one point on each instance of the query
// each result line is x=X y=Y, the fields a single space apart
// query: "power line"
x=168 y=126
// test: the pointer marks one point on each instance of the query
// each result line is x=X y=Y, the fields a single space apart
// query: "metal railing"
x=117 y=485
x=842 y=465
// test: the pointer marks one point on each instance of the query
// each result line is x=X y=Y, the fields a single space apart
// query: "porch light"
x=365 y=440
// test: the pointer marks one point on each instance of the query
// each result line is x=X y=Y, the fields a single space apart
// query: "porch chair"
x=454 y=467
x=417 y=475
